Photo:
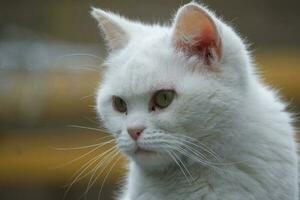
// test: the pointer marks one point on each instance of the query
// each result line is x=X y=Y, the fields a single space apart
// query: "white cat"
x=188 y=109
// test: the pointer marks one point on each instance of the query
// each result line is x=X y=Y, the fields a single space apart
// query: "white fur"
x=246 y=123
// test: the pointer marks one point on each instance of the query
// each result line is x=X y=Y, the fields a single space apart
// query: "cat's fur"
x=220 y=101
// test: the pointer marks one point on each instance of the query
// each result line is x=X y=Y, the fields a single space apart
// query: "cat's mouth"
x=141 y=151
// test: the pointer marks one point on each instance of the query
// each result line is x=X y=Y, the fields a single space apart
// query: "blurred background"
x=50 y=65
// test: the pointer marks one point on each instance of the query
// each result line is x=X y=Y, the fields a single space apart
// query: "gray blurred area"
x=262 y=22
x=50 y=65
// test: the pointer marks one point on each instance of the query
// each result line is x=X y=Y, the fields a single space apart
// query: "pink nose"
x=135 y=133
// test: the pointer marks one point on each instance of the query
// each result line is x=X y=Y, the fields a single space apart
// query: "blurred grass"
x=42 y=155
x=281 y=70
x=30 y=97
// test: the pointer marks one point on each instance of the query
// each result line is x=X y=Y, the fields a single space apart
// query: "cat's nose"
x=136 y=132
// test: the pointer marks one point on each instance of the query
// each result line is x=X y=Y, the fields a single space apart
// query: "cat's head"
x=165 y=88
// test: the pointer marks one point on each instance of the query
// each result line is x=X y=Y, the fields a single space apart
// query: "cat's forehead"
x=142 y=70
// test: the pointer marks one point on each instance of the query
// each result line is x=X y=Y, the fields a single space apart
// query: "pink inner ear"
x=196 y=33
x=205 y=43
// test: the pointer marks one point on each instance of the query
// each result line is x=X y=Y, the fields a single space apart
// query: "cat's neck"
x=141 y=181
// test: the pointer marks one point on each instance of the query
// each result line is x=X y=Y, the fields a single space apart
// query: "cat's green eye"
x=119 y=104
x=163 y=98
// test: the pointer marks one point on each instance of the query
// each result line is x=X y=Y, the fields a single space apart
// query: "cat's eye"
x=163 y=98
x=119 y=104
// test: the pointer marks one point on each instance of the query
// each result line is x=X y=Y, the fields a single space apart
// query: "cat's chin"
x=149 y=159
x=143 y=152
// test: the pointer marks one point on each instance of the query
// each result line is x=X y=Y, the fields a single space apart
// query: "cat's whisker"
x=81 y=54
x=105 y=178
x=198 y=158
x=85 y=67
x=97 y=146
x=104 y=163
x=78 y=175
x=190 y=149
x=183 y=151
x=78 y=158
x=219 y=162
x=105 y=160
x=86 y=97
x=94 y=121
x=192 y=155
x=85 y=147
x=184 y=166
x=178 y=164
x=84 y=168
x=201 y=146
x=181 y=142
x=92 y=161
x=89 y=128
x=208 y=150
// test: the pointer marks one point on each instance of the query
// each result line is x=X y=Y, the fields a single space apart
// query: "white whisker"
x=184 y=166
x=88 y=128
x=104 y=162
x=198 y=144
x=81 y=54
x=178 y=164
x=78 y=174
x=104 y=180
x=86 y=97
x=85 y=147
x=84 y=67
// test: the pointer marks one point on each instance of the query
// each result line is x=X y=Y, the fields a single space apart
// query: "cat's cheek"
x=124 y=143
x=173 y=120
x=112 y=122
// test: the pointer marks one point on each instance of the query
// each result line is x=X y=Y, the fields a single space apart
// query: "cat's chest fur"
x=230 y=183
x=170 y=185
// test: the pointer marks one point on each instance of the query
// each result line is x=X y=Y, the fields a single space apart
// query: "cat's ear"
x=196 y=33
x=113 y=27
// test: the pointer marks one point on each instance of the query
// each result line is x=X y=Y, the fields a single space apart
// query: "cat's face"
x=163 y=88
